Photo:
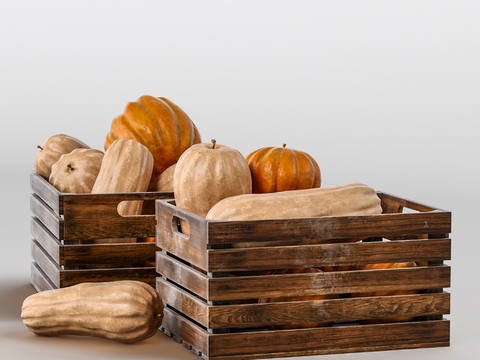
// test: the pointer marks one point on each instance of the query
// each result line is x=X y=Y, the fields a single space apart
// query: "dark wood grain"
x=95 y=216
x=220 y=232
x=299 y=312
x=182 y=274
x=183 y=301
x=307 y=284
x=392 y=201
x=39 y=280
x=52 y=221
x=283 y=257
x=125 y=254
x=47 y=192
x=328 y=338
x=144 y=274
x=186 y=330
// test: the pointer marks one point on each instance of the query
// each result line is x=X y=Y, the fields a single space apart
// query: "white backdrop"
x=380 y=92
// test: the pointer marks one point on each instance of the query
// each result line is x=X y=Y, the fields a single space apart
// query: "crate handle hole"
x=180 y=226
x=134 y=208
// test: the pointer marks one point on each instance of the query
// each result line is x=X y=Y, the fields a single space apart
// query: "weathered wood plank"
x=192 y=247
x=49 y=194
x=112 y=253
x=307 y=284
x=46 y=263
x=330 y=227
x=392 y=201
x=330 y=351
x=47 y=216
x=182 y=274
x=300 y=312
x=328 y=338
x=327 y=255
x=182 y=301
x=45 y=238
x=95 y=216
x=73 y=277
x=39 y=280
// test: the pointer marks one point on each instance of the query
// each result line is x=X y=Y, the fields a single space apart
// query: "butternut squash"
x=125 y=311
x=349 y=199
x=126 y=167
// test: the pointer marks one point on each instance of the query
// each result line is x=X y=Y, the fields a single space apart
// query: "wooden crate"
x=211 y=289
x=64 y=227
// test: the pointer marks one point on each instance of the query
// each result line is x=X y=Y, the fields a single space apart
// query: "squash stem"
x=213 y=143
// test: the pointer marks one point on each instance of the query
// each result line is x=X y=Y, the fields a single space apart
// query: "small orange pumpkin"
x=387 y=293
x=281 y=169
x=298 y=298
x=160 y=125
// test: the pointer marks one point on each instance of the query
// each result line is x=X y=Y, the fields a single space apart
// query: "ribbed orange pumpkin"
x=160 y=125
x=298 y=298
x=387 y=293
x=282 y=169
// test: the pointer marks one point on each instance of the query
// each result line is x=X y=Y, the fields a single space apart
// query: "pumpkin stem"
x=284 y=145
x=213 y=143
x=39 y=147
x=70 y=168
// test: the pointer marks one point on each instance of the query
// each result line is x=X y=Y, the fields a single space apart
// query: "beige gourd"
x=126 y=167
x=125 y=311
x=51 y=150
x=163 y=182
x=76 y=171
x=348 y=199
x=207 y=173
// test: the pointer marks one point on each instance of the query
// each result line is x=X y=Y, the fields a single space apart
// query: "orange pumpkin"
x=298 y=298
x=281 y=169
x=387 y=293
x=160 y=125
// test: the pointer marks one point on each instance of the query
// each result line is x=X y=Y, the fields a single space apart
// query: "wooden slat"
x=47 y=216
x=47 y=240
x=95 y=216
x=191 y=248
x=39 y=280
x=145 y=274
x=329 y=338
x=391 y=201
x=182 y=274
x=47 y=264
x=182 y=301
x=47 y=192
x=330 y=227
x=327 y=255
x=331 y=351
x=120 y=253
x=299 y=312
x=306 y=284
x=186 y=330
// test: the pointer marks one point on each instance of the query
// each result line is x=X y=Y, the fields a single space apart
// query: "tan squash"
x=126 y=167
x=49 y=153
x=348 y=199
x=76 y=171
x=163 y=182
x=206 y=174
x=125 y=311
